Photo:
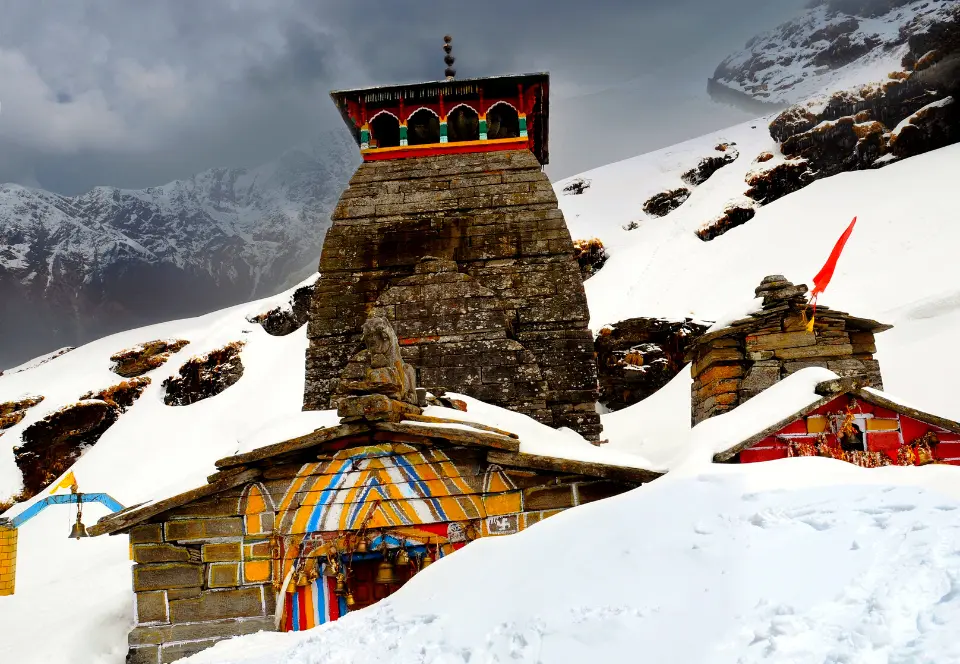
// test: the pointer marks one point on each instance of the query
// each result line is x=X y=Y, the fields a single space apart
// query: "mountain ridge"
x=76 y=267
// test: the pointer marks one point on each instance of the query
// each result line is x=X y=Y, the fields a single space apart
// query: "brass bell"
x=350 y=600
x=330 y=569
x=302 y=579
x=78 y=530
x=403 y=558
x=362 y=546
x=426 y=561
x=341 y=587
x=385 y=573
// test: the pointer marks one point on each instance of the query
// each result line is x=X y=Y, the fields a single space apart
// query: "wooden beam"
x=318 y=437
x=117 y=523
x=446 y=420
x=454 y=435
x=590 y=469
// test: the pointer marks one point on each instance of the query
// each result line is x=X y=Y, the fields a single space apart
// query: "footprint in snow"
x=887 y=509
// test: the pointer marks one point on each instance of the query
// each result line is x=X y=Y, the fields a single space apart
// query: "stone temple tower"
x=451 y=231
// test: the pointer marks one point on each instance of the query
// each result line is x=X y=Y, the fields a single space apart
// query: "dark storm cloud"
x=134 y=94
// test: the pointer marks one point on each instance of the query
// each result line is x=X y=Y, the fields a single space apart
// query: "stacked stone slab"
x=502 y=316
x=197 y=580
x=733 y=364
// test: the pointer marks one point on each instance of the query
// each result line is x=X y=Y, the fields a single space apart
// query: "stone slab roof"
x=503 y=448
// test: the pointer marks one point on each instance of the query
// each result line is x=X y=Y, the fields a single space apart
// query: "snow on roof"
x=773 y=408
x=539 y=439
x=712 y=568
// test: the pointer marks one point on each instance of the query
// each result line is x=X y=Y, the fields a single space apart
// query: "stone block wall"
x=197 y=581
x=495 y=216
x=732 y=365
x=8 y=559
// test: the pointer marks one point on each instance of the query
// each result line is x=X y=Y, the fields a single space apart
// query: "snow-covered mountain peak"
x=81 y=266
x=834 y=45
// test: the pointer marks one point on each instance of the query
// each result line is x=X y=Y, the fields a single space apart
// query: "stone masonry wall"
x=732 y=365
x=197 y=581
x=495 y=215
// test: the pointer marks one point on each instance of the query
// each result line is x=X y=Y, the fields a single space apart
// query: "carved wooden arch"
x=384 y=132
x=421 y=108
x=426 y=132
x=499 y=130
x=462 y=126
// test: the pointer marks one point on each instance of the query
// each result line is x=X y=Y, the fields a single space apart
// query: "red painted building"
x=855 y=424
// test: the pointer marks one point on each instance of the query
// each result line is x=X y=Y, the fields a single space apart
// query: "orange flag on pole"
x=826 y=272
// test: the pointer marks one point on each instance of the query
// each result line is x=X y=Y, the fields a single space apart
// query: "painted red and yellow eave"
x=433 y=149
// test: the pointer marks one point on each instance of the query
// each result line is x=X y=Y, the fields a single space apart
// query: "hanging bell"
x=403 y=558
x=341 y=587
x=302 y=579
x=78 y=530
x=362 y=546
x=427 y=560
x=330 y=569
x=385 y=573
x=351 y=602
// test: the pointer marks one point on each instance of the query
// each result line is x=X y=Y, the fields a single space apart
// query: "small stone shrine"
x=451 y=231
x=292 y=535
x=733 y=364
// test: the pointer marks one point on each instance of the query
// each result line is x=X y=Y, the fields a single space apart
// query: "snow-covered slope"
x=73 y=268
x=896 y=268
x=805 y=561
x=834 y=45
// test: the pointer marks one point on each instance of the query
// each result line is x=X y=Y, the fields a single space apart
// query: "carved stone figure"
x=378 y=369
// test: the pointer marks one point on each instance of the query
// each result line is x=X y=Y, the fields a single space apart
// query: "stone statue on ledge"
x=377 y=384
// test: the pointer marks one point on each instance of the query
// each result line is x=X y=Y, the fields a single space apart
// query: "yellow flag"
x=67 y=482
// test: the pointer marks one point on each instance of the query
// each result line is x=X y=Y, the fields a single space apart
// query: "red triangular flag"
x=826 y=273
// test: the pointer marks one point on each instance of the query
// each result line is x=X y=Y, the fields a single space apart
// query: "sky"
x=135 y=94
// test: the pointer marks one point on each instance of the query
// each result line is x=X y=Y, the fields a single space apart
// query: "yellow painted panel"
x=498 y=483
x=256 y=571
x=503 y=503
x=255 y=503
x=881 y=424
x=254 y=527
x=816 y=424
x=8 y=568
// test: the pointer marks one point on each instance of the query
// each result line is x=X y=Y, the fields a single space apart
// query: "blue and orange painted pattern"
x=311 y=605
x=380 y=486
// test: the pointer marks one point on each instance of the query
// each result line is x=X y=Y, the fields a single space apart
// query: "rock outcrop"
x=285 y=320
x=145 y=357
x=204 y=377
x=13 y=412
x=53 y=444
x=662 y=204
x=638 y=356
